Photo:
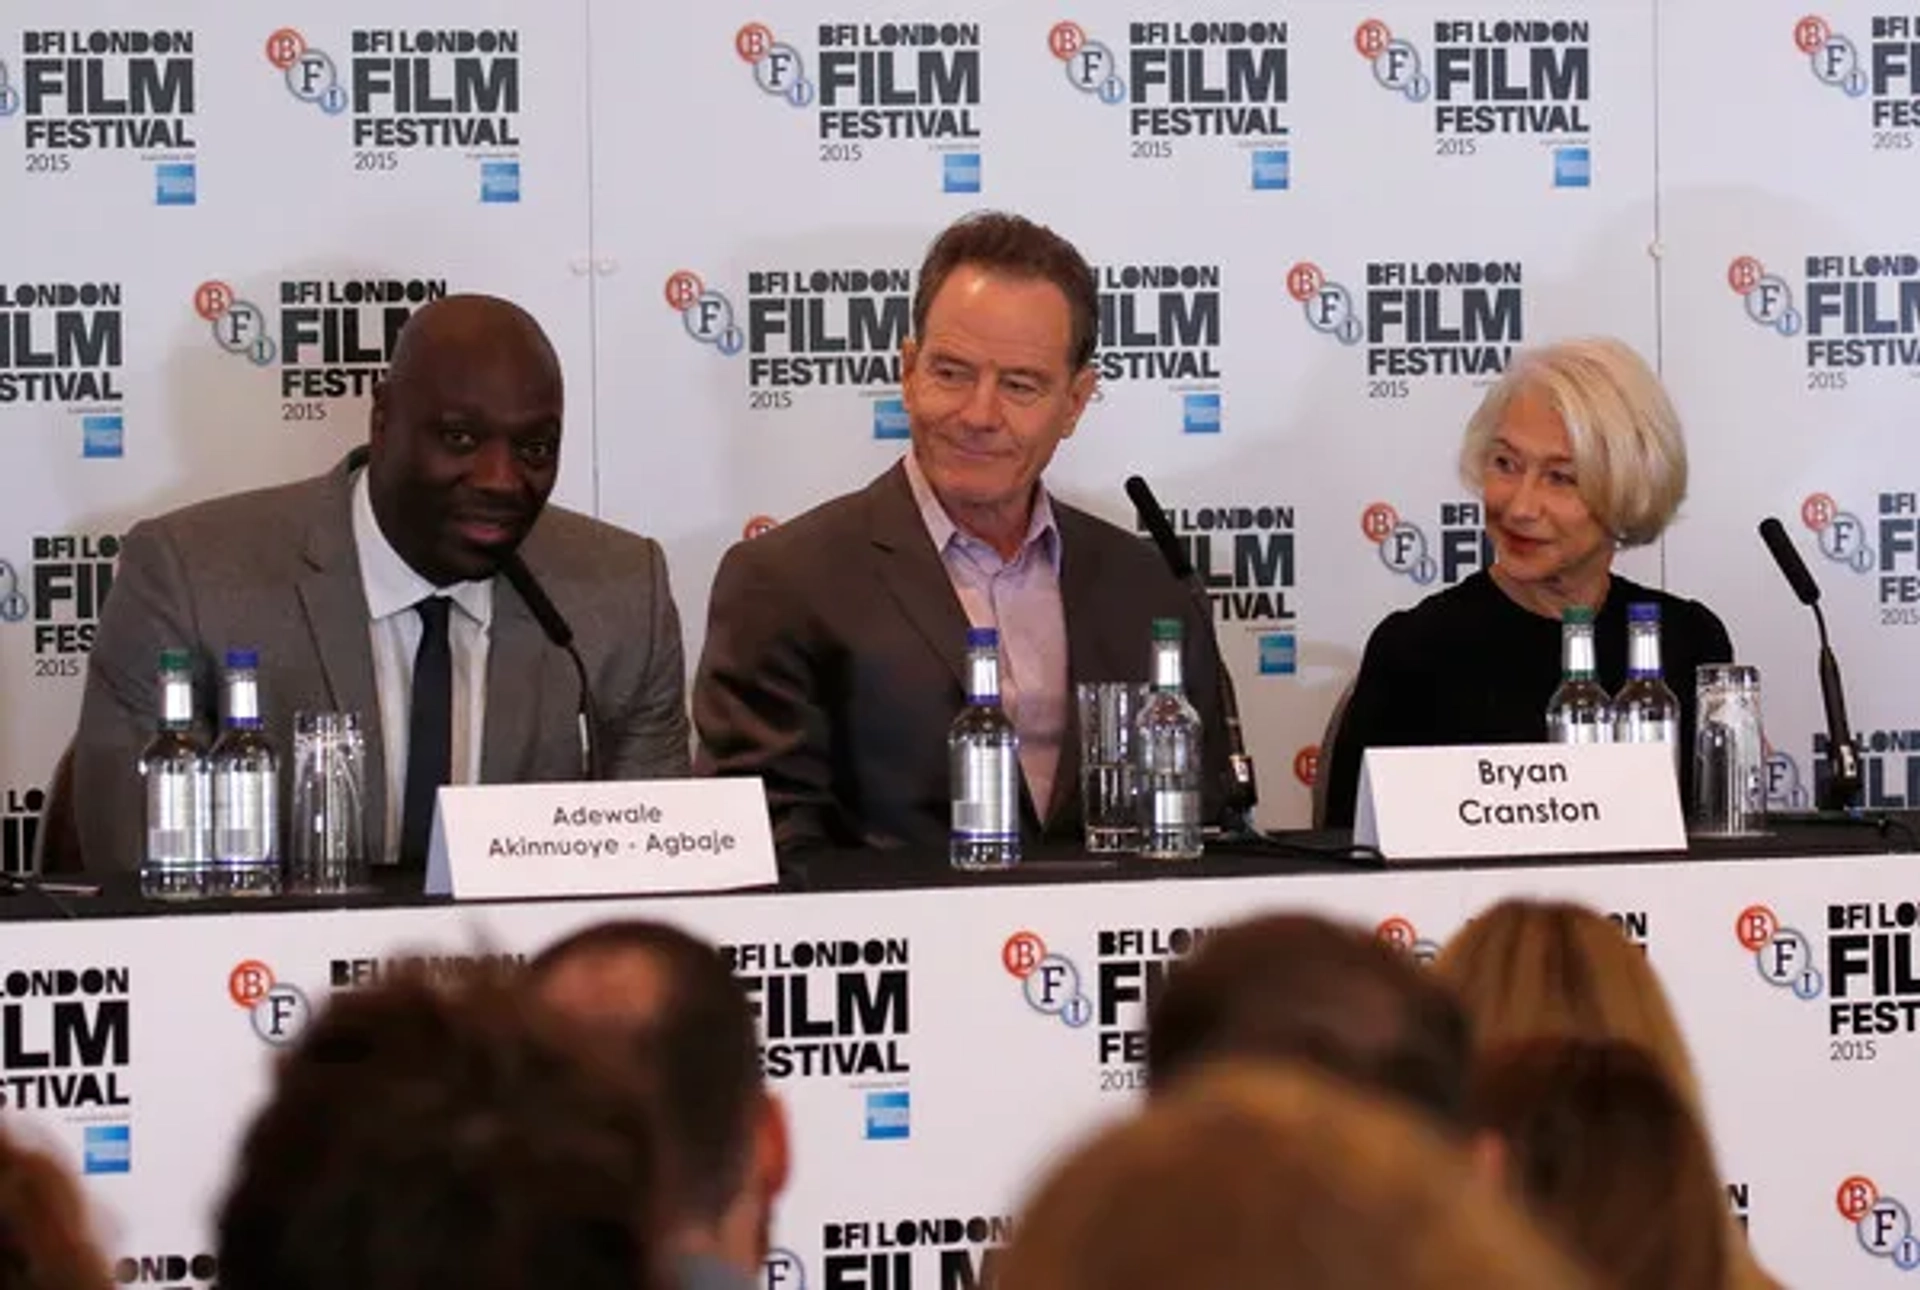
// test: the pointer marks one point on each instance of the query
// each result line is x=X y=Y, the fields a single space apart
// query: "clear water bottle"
x=1646 y=711
x=175 y=862
x=246 y=789
x=1167 y=737
x=983 y=757
x=1579 y=712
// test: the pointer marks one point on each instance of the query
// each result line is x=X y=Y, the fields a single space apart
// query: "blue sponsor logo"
x=1201 y=414
x=102 y=436
x=889 y=1115
x=499 y=181
x=107 y=1149
x=889 y=419
x=1279 y=654
x=1572 y=167
x=1272 y=168
x=960 y=172
x=175 y=184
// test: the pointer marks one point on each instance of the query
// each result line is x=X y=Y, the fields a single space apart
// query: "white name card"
x=1518 y=800
x=633 y=837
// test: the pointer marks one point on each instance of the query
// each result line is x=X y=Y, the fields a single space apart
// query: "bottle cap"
x=1166 y=629
x=983 y=638
x=243 y=660
x=1643 y=611
x=176 y=660
x=1576 y=614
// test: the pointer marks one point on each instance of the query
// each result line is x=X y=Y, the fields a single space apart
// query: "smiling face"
x=1544 y=535
x=990 y=392
x=465 y=437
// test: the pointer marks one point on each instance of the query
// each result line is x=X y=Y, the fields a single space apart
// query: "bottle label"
x=1173 y=808
x=986 y=793
x=246 y=816
x=176 y=817
x=1578 y=732
x=1638 y=729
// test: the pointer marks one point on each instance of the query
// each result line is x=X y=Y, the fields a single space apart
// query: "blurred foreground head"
x=420 y=1137
x=667 y=1001
x=1274 y=1178
x=1608 y=1156
x=46 y=1242
x=1529 y=969
x=1294 y=987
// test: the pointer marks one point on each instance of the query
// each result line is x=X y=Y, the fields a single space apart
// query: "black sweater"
x=1469 y=666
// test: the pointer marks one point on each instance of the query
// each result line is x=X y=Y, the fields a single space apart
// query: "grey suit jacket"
x=835 y=661
x=276 y=570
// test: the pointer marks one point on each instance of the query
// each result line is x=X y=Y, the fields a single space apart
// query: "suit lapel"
x=335 y=604
x=911 y=571
x=515 y=655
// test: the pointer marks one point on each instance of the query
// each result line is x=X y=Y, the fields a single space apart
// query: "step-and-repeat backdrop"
x=1320 y=231
x=934 y=1055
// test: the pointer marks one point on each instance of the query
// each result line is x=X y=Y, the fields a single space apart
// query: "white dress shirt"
x=393 y=587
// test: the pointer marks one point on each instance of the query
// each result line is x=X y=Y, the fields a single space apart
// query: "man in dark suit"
x=375 y=589
x=836 y=643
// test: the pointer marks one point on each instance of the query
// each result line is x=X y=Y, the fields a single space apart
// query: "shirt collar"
x=394 y=586
x=1041 y=528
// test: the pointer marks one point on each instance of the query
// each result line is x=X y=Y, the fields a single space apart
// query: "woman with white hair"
x=1577 y=453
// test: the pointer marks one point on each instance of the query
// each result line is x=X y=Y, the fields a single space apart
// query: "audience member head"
x=1293 y=987
x=670 y=1003
x=999 y=366
x=419 y=1138
x=1576 y=450
x=465 y=436
x=46 y=1240
x=1528 y=969
x=1273 y=1178
x=1610 y=1159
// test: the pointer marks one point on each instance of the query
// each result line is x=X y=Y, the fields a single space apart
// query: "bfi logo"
x=1881 y=1223
x=1050 y=982
x=278 y=1009
x=1463 y=545
x=1783 y=955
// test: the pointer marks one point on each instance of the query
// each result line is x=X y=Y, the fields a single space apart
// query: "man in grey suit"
x=835 y=646
x=376 y=589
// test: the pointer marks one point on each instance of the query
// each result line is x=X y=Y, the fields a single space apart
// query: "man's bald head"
x=465 y=436
x=463 y=328
x=671 y=1001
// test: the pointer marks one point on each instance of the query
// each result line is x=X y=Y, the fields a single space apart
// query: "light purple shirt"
x=1021 y=599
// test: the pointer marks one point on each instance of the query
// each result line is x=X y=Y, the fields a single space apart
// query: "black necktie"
x=429 y=731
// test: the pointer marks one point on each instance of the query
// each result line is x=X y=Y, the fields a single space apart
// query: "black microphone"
x=1842 y=789
x=1243 y=790
x=522 y=580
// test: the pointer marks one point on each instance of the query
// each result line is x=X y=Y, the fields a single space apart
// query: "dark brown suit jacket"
x=835 y=662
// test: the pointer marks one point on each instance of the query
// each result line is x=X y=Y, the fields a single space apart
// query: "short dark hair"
x=700 y=1052
x=1014 y=246
x=420 y=1136
x=1296 y=987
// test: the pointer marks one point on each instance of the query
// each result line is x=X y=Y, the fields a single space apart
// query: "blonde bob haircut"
x=1530 y=969
x=1628 y=451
